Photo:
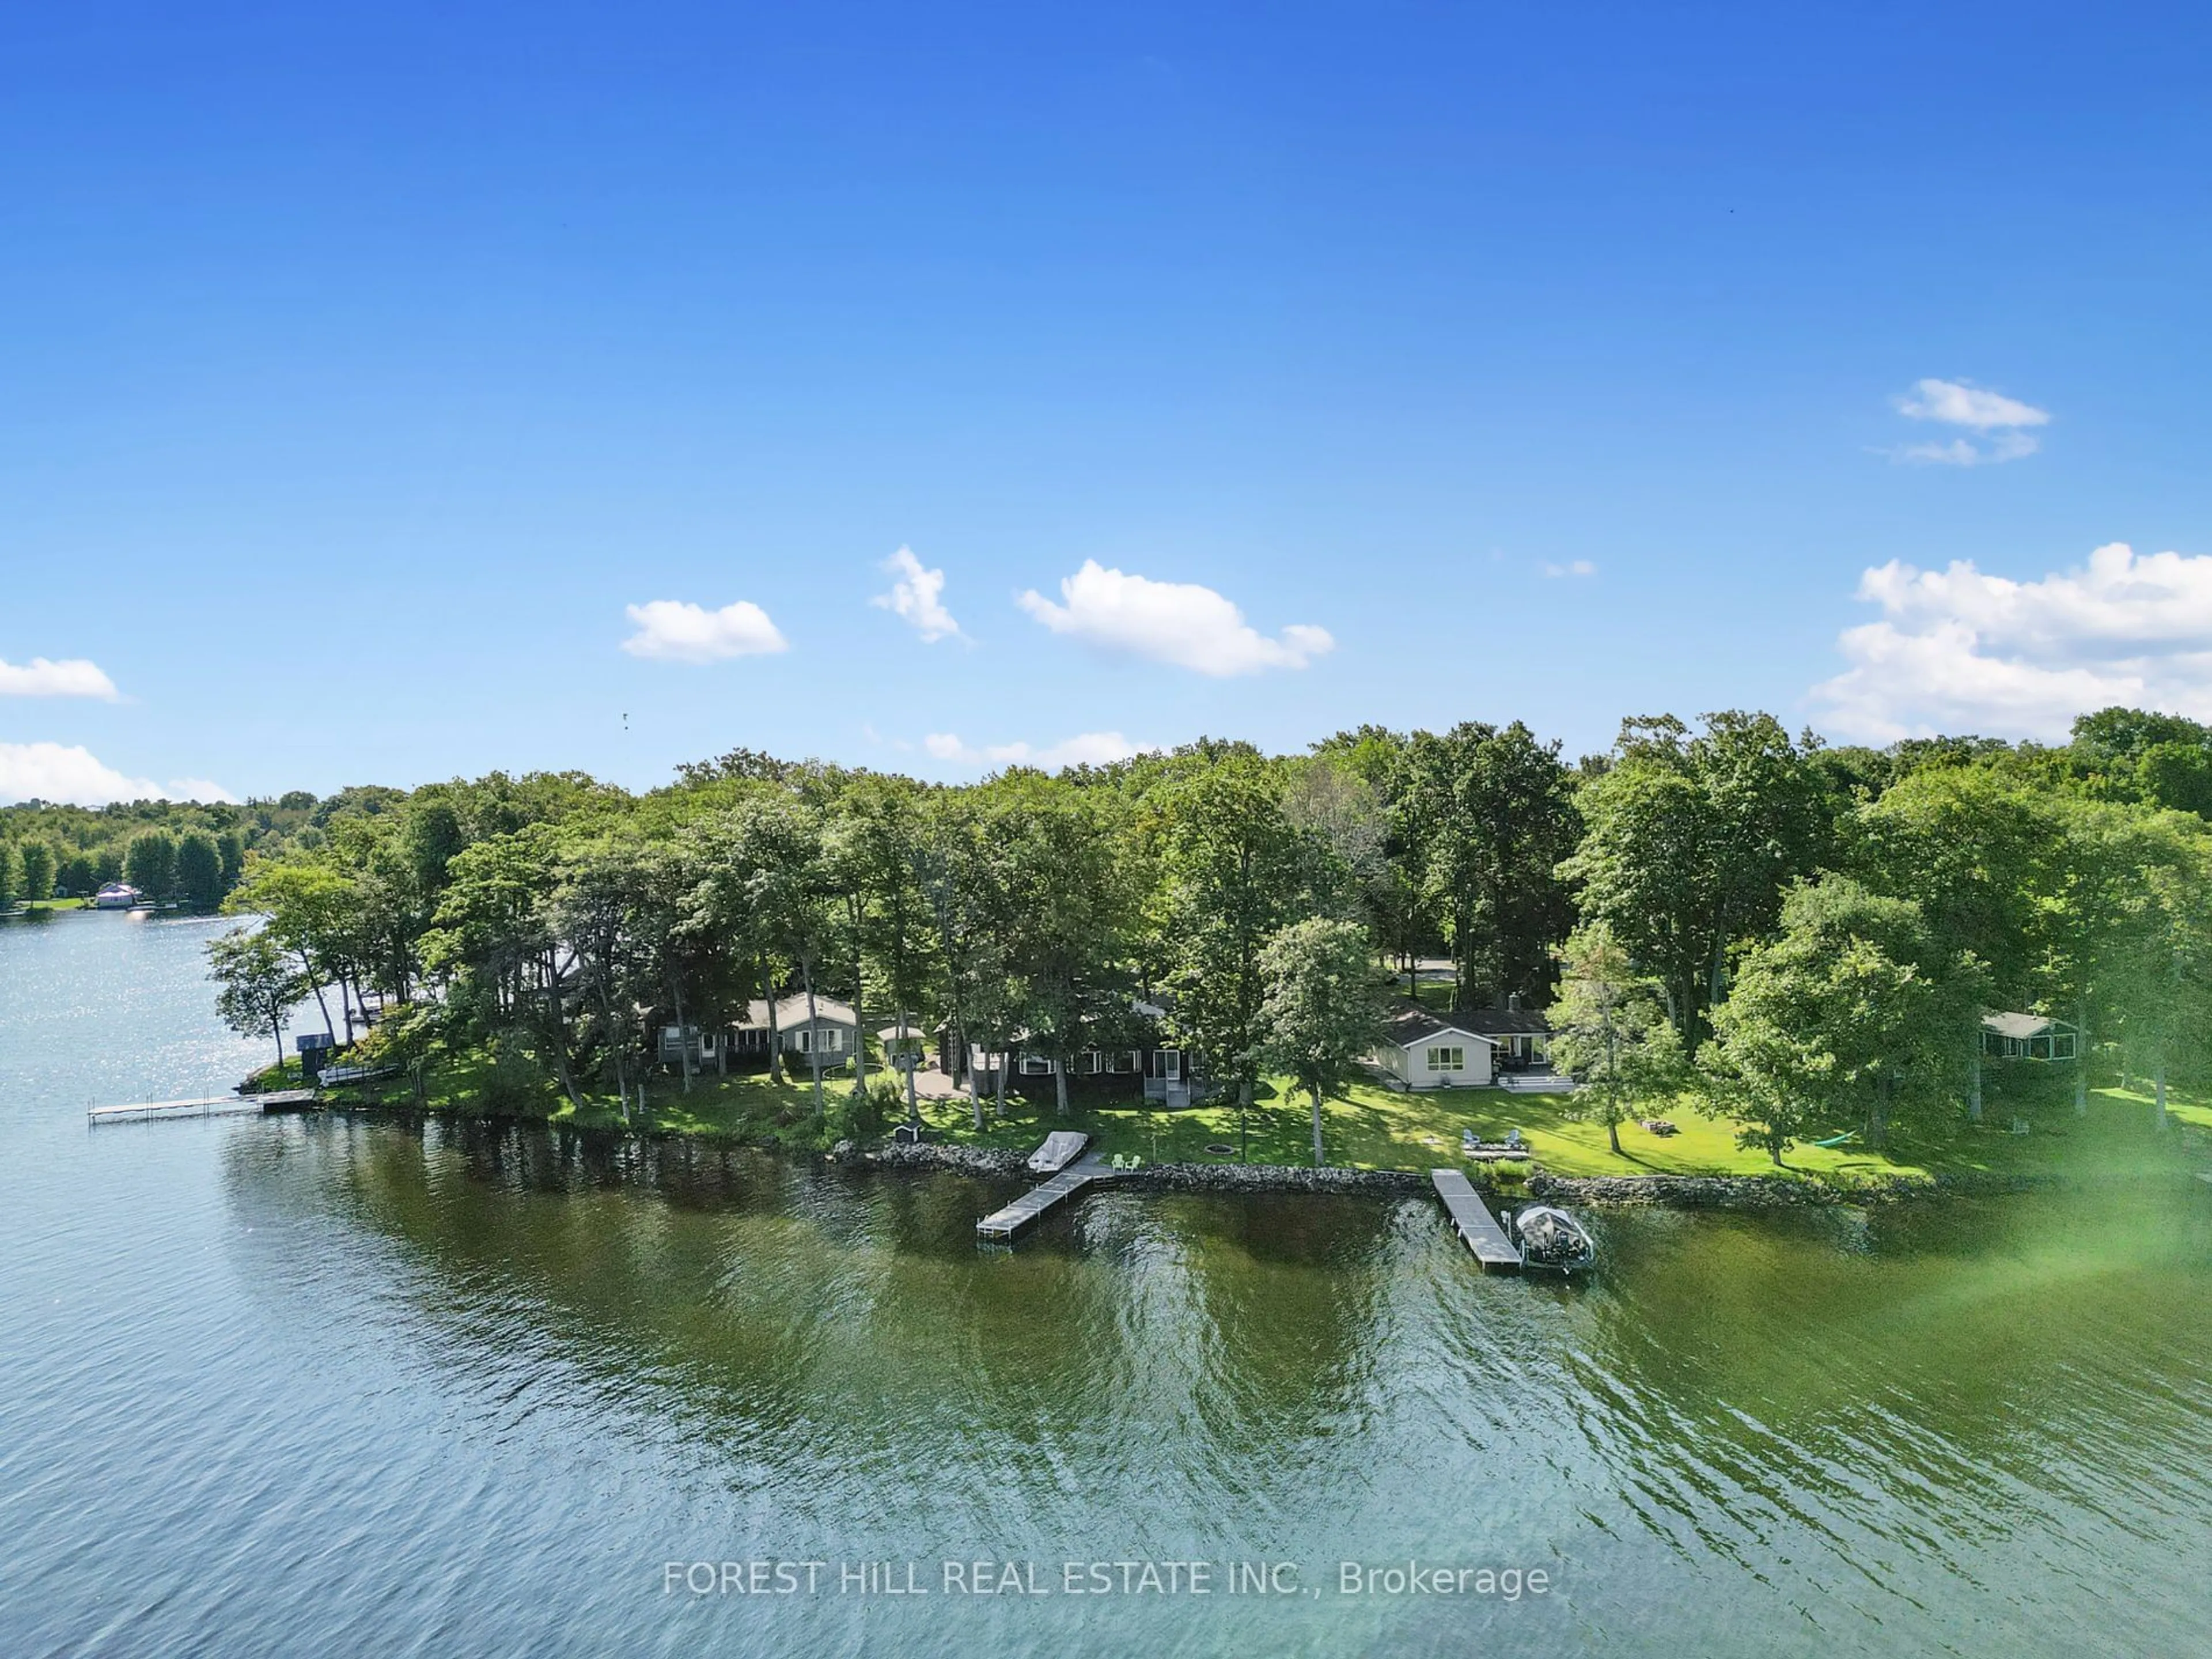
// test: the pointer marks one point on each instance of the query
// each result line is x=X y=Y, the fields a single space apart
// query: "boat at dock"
x=1059 y=1149
x=1550 y=1237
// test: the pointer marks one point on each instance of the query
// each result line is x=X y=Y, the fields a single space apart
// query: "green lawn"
x=1374 y=1127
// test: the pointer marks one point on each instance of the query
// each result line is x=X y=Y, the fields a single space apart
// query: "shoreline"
x=1657 y=1191
x=1681 y=1192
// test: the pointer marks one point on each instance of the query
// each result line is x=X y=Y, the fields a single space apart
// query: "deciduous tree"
x=1323 y=1013
x=258 y=983
x=1610 y=1032
x=38 y=871
x=1853 y=1012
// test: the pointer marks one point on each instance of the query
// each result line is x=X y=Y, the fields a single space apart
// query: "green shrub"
x=515 y=1081
x=406 y=1035
x=864 y=1119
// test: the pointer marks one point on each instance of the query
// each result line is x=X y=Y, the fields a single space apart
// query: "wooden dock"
x=212 y=1106
x=1472 y=1220
x=1005 y=1224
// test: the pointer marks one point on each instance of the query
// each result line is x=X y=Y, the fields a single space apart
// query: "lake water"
x=318 y=1388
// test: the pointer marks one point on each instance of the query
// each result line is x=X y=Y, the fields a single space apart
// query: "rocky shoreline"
x=1678 y=1192
x=1673 y=1192
x=1771 y=1192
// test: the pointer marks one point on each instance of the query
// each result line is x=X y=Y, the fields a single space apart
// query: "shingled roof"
x=1502 y=1022
x=1409 y=1023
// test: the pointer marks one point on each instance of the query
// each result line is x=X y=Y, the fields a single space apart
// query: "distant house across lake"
x=116 y=896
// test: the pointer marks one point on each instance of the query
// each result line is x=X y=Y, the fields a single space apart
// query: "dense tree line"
x=1810 y=933
x=182 y=852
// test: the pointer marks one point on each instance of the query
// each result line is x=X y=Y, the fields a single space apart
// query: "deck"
x=1472 y=1220
x=1004 y=1224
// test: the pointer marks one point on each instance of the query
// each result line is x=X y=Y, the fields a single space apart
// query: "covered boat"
x=1551 y=1237
x=1060 y=1149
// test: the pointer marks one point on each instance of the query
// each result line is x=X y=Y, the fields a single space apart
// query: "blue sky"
x=362 y=367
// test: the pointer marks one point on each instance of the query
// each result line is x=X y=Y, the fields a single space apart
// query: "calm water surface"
x=308 y=1387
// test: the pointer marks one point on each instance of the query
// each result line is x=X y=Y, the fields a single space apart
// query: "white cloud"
x=1965 y=452
x=1087 y=748
x=670 y=630
x=1178 y=622
x=1958 y=650
x=1956 y=404
x=1995 y=418
x=1577 y=567
x=48 y=771
x=918 y=598
x=73 y=677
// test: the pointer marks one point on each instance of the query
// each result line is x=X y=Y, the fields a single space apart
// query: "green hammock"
x=1838 y=1141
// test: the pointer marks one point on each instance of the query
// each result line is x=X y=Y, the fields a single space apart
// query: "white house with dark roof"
x=1425 y=1050
x=1467 y=1048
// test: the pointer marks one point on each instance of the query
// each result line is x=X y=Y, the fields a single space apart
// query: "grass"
x=1370 y=1126
x=1374 y=1127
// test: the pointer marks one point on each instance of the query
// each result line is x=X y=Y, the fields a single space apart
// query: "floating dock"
x=212 y=1106
x=1472 y=1220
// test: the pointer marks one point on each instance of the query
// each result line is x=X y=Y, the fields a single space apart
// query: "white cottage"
x=1423 y=1050
x=1464 y=1049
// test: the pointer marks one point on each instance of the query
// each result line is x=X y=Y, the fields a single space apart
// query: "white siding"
x=1411 y=1066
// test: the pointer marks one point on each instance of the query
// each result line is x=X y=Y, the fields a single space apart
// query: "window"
x=1093 y=1061
x=1447 y=1059
x=1165 y=1063
x=1036 y=1066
